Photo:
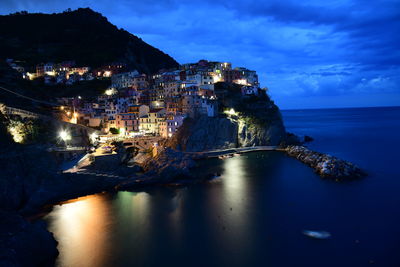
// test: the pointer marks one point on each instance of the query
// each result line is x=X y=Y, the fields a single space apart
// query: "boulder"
x=24 y=243
x=169 y=165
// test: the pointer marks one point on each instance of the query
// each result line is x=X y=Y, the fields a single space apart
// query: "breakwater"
x=325 y=165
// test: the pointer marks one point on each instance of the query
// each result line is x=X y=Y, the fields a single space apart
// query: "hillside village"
x=136 y=104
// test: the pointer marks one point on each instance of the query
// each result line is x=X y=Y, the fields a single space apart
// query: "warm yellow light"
x=217 y=78
x=122 y=131
x=68 y=113
x=62 y=107
x=16 y=135
x=241 y=82
x=51 y=73
x=93 y=137
x=230 y=112
x=111 y=91
x=64 y=135
x=31 y=76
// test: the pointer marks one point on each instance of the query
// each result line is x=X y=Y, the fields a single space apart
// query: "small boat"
x=317 y=234
x=236 y=154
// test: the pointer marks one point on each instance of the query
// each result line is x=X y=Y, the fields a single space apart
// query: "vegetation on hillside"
x=255 y=110
x=81 y=35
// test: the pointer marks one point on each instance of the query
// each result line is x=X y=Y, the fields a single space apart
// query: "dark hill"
x=81 y=35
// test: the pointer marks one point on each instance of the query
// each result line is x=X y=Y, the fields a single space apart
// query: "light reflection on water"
x=88 y=228
x=81 y=228
x=273 y=198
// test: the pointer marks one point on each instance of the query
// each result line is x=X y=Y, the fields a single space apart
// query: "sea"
x=256 y=212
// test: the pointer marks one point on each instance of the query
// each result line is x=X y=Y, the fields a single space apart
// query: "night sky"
x=309 y=54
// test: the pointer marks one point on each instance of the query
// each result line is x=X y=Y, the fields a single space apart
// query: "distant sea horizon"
x=320 y=108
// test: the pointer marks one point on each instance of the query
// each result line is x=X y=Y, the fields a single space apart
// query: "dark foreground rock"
x=325 y=165
x=169 y=164
x=24 y=243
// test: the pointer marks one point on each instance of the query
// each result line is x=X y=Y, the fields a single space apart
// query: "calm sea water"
x=254 y=214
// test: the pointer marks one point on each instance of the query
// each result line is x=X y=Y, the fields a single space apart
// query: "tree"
x=114 y=131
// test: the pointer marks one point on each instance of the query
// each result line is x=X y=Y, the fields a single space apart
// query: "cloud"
x=299 y=48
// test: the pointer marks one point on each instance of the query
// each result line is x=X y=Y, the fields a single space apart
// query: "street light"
x=65 y=136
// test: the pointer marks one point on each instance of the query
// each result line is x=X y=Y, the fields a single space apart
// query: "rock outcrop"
x=325 y=165
x=169 y=165
x=205 y=133
x=255 y=134
x=254 y=121
x=24 y=243
x=22 y=171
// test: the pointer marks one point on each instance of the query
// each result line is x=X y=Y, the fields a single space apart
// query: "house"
x=95 y=121
x=49 y=69
x=111 y=123
x=207 y=80
x=171 y=88
x=39 y=70
x=173 y=105
x=249 y=90
x=170 y=125
x=111 y=110
x=139 y=82
x=123 y=80
x=230 y=75
x=139 y=110
x=195 y=105
x=79 y=70
x=250 y=76
x=127 y=122
x=109 y=70
x=150 y=123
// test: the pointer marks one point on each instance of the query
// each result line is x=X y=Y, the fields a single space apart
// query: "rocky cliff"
x=254 y=121
x=205 y=133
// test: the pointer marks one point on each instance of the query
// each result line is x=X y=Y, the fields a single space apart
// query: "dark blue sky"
x=308 y=53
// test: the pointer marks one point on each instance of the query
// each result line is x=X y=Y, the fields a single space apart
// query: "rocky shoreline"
x=170 y=167
x=325 y=165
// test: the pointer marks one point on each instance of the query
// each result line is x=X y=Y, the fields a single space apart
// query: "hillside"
x=81 y=35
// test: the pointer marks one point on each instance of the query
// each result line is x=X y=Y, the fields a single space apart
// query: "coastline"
x=169 y=168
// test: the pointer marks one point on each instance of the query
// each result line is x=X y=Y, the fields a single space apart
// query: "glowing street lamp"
x=65 y=136
x=110 y=92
